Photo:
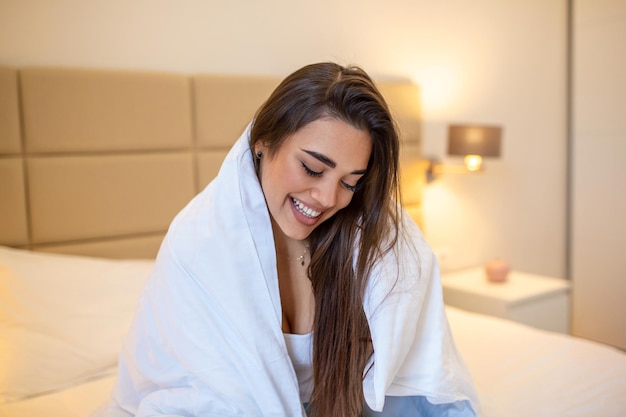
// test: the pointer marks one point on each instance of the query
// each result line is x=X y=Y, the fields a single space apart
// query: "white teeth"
x=307 y=211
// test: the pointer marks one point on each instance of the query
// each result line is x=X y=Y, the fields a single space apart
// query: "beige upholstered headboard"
x=98 y=162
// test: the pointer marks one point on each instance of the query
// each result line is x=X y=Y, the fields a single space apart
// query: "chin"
x=293 y=230
x=299 y=235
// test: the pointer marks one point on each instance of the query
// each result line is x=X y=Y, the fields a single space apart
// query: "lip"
x=301 y=217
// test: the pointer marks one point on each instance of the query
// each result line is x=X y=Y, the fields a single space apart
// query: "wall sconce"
x=473 y=142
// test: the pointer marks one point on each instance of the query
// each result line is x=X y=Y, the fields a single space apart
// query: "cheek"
x=344 y=199
x=277 y=181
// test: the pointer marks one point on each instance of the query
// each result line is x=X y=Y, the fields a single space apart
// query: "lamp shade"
x=474 y=140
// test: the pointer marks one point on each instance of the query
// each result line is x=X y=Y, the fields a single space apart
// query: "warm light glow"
x=473 y=162
x=438 y=86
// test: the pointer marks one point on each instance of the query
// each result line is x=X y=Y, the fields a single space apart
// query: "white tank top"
x=300 y=349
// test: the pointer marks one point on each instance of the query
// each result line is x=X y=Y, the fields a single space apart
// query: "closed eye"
x=316 y=174
x=349 y=187
x=309 y=171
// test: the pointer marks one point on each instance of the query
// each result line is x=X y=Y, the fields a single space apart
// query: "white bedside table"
x=535 y=300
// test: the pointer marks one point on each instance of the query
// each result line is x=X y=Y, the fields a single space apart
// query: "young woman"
x=294 y=283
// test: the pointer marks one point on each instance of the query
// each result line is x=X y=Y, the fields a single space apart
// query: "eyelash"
x=352 y=188
x=309 y=171
x=316 y=174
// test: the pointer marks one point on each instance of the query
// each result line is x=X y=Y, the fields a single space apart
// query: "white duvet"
x=207 y=338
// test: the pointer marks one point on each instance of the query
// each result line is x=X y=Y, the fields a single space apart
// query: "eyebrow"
x=329 y=162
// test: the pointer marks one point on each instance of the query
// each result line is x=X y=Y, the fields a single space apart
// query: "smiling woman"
x=294 y=283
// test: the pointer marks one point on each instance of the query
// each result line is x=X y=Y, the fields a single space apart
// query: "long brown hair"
x=345 y=248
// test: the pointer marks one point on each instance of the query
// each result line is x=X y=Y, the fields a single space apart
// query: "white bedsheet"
x=522 y=371
x=519 y=371
x=78 y=401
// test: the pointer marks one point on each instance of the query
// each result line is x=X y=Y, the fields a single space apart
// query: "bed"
x=94 y=164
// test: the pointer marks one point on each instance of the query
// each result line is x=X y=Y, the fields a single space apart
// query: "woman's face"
x=313 y=174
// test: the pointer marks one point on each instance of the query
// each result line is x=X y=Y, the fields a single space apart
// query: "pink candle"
x=497 y=270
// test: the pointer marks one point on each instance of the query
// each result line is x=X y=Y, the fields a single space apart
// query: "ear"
x=259 y=150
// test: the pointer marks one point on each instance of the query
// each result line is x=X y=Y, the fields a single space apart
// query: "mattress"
x=75 y=401
x=78 y=310
x=523 y=371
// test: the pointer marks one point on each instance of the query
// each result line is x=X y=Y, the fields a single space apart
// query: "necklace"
x=299 y=258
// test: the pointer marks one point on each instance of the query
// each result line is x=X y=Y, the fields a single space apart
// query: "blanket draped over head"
x=207 y=337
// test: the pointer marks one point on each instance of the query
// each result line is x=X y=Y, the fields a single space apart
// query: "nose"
x=326 y=193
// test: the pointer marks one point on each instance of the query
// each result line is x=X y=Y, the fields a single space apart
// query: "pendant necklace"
x=302 y=257
x=299 y=258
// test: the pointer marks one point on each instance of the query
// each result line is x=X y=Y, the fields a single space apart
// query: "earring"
x=259 y=154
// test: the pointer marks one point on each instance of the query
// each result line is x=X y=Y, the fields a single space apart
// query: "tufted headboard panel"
x=98 y=162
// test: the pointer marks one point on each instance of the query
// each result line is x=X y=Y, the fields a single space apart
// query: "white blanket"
x=207 y=338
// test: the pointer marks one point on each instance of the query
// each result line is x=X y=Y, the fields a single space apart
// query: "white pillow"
x=63 y=318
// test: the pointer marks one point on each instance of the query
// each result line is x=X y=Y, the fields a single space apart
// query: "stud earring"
x=259 y=154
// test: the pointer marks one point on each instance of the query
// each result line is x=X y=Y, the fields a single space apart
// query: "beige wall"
x=489 y=61
x=599 y=172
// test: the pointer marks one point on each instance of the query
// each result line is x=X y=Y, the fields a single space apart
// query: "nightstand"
x=535 y=300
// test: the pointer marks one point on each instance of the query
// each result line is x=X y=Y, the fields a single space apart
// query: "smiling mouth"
x=306 y=211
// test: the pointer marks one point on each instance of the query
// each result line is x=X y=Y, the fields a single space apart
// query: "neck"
x=288 y=248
